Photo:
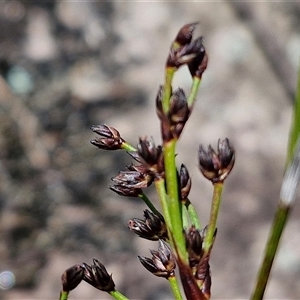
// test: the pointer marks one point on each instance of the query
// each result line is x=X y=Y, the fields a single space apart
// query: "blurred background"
x=66 y=66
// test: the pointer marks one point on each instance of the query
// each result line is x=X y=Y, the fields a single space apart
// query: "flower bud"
x=216 y=166
x=173 y=123
x=111 y=138
x=198 y=65
x=151 y=155
x=179 y=110
x=71 y=278
x=194 y=240
x=156 y=222
x=184 y=50
x=185 y=182
x=159 y=107
x=106 y=131
x=97 y=276
x=133 y=179
x=162 y=263
x=152 y=228
x=126 y=191
x=185 y=34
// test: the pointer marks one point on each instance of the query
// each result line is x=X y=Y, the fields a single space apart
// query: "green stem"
x=161 y=191
x=215 y=205
x=279 y=222
x=287 y=197
x=194 y=90
x=63 y=295
x=193 y=215
x=127 y=147
x=185 y=216
x=117 y=295
x=295 y=127
x=174 y=206
x=149 y=203
x=175 y=287
x=170 y=71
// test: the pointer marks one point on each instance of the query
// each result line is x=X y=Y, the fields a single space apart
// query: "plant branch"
x=194 y=90
x=193 y=215
x=279 y=222
x=174 y=206
x=170 y=71
x=215 y=205
x=149 y=203
x=63 y=295
x=287 y=197
x=175 y=287
x=161 y=191
x=117 y=295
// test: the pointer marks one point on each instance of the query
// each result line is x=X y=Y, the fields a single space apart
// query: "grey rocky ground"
x=68 y=65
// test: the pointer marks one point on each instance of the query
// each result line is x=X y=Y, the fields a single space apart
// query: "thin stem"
x=175 y=287
x=193 y=215
x=194 y=90
x=161 y=191
x=128 y=147
x=279 y=222
x=117 y=295
x=149 y=203
x=295 y=127
x=287 y=197
x=185 y=216
x=168 y=88
x=174 y=206
x=63 y=295
x=215 y=205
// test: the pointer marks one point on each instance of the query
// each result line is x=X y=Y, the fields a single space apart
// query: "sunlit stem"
x=194 y=90
x=161 y=191
x=167 y=90
x=270 y=251
x=149 y=203
x=193 y=215
x=117 y=295
x=126 y=146
x=63 y=295
x=174 y=206
x=215 y=205
x=287 y=197
x=185 y=216
x=175 y=287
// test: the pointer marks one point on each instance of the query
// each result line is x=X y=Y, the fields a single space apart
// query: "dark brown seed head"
x=106 y=131
x=126 y=191
x=194 y=240
x=151 y=155
x=185 y=34
x=109 y=139
x=179 y=110
x=71 y=278
x=178 y=114
x=159 y=106
x=152 y=228
x=97 y=276
x=185 y=182
x=133 y=179
x=198 y=65
x=162 y=263
x=188 y=53
x=216 y=166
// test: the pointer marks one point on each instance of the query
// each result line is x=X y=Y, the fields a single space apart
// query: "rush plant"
x=183 y=245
